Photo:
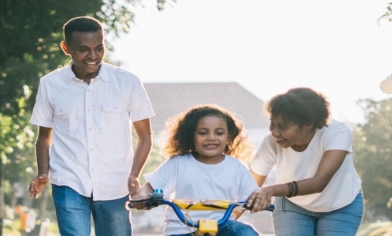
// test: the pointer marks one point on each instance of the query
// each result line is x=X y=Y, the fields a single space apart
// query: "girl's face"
x=211 y=137
x=289 y=134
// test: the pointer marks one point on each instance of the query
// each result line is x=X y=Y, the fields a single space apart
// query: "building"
x=169 y=99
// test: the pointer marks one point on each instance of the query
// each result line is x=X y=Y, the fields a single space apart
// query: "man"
x=84 y=145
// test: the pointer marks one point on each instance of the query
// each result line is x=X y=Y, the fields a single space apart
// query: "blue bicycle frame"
x=156 y=199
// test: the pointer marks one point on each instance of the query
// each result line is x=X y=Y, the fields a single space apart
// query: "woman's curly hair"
x=303 y=106
x=181 y=130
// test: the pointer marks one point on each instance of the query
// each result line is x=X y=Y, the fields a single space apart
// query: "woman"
x=319 y=191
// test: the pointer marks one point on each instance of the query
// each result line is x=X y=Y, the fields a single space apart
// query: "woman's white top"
x=294 y=166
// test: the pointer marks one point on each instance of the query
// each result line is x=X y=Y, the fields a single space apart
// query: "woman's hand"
x=260 y=199
x=37 y=185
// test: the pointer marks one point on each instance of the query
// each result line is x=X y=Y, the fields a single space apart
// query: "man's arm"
x=42 y=154
x=143 y=148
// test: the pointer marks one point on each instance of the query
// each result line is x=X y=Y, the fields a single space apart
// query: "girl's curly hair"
x=303 y=106
x=181 y=129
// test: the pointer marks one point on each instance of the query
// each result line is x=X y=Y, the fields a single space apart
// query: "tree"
x=30 y=35
x=388 y=14
x=372 y=143
x=29 y=48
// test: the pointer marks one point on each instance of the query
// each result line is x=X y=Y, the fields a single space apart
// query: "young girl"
x=203 y=145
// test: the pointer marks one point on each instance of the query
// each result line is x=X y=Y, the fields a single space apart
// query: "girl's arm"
x=260 y=179
x=142 y=193
x=237 y=212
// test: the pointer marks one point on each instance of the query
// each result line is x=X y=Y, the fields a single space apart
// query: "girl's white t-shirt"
x=183 y=177
x=294 y=166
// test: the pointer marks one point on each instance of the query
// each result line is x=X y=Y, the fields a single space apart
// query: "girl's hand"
x=140 y=205
x=37 y=185
x=260 y=199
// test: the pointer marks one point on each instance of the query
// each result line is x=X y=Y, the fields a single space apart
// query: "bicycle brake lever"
x=155 y=198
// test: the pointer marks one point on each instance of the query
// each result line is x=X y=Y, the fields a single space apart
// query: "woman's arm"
x=260 y=179
x=329 y=165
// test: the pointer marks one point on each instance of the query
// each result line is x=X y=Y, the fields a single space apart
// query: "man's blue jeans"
x=74 y=213
x=232 y=228
x=290 y=219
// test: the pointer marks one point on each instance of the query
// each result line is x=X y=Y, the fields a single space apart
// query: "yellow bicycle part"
x=208 y=226
x=201 y=205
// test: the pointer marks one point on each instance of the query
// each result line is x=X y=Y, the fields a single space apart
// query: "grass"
x=376 y=229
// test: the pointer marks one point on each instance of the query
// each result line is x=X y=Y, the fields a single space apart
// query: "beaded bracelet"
x=295 y=188
x=291 y=189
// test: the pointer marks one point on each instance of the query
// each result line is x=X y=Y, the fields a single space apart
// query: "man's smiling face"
x=87 y=51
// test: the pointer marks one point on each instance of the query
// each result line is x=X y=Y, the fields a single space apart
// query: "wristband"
x=291 y=189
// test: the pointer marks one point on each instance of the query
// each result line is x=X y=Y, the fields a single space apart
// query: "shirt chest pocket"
x=114 y=116
x=63 y=119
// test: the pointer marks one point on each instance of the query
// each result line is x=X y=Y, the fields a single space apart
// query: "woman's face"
x=290 y=134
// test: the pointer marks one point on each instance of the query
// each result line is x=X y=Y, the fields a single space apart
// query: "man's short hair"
x=80 y=24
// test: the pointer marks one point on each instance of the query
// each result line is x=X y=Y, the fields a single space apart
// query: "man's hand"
x=37 y=185
x=133 y=185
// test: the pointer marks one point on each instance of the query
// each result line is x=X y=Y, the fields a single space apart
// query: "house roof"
x=169 y=99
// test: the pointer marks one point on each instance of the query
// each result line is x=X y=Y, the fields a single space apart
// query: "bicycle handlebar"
x=156 y=199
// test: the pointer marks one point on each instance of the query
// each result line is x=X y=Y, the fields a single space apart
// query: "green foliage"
x=373 y=155
x=17 y=136
x=155 y=159
x=388 y=14
x=31 y=32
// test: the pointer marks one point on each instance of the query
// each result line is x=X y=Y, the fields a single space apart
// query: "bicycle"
x=203 y=226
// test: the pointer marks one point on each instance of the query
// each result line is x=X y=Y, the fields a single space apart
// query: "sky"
x=335 y=47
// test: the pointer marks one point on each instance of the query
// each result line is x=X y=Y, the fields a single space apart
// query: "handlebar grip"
x=139 y=200
x=148 y=203
x=270 y=208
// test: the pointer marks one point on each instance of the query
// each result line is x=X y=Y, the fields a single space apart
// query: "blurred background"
x=237 y=54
